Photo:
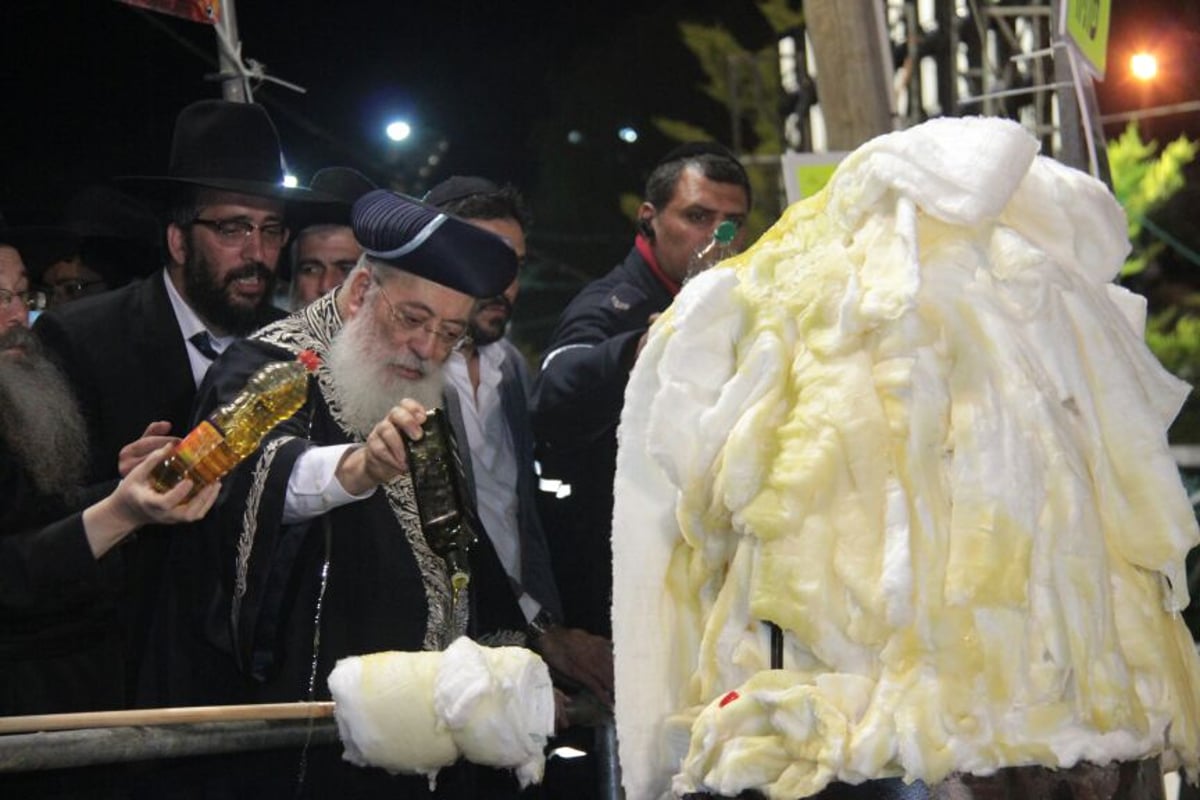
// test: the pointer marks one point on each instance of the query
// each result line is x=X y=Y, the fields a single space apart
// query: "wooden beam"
x=854 y=69
x=164 y=716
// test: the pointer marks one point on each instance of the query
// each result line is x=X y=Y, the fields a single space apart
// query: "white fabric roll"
x=498 y=704
x=385 y=712
x=418 y=712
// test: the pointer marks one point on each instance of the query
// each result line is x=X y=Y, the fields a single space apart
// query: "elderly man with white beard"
x=316 y=543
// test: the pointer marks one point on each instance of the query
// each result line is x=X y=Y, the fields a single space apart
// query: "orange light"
x=1144 y=66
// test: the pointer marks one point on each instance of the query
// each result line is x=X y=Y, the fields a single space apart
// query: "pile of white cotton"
x=917 y=428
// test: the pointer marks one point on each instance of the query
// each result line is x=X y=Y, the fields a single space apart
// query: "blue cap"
x=417 y=238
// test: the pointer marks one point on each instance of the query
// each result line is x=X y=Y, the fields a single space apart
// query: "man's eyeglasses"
x=449 y=337
x=235 y=232
x=33 y=300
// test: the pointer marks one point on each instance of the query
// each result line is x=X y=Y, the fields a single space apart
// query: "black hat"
x=342 y=183
x=343 y=186
x=100 y=211
x=219 y=144
x=420 y=239
x=7 y=233
x=119 y=232
x=459 y=187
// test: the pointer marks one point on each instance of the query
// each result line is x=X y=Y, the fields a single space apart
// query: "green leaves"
x=1142 y=182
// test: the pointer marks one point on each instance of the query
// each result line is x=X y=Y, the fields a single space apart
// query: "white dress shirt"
x=189 y=325
x=493 y=459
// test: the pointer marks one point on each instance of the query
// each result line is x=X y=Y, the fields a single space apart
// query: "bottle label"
x=206 y=453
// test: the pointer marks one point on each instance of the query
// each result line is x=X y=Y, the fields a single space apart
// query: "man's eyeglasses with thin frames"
x=235 y=232
x=449 y=339
x=33 y=299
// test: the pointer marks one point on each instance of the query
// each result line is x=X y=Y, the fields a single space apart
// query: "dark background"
x=91 y=89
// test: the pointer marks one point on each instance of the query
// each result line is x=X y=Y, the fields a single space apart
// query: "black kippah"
x=425 y=241
x=459 y=187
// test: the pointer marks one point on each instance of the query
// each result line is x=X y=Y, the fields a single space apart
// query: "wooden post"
x=854 y=69
x=164 y=716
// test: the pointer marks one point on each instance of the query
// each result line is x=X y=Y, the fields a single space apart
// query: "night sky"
x=92 y=88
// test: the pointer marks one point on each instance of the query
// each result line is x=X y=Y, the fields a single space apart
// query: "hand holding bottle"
x=136 y=502
x=154 y=437
x=232 y=432
x=382 y=458
x=719 y=248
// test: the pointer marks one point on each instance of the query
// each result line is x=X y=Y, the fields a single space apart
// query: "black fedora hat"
x=418 y=238
x=118 y=232
x=459 y=187
x=344 y=185
x=219 y=144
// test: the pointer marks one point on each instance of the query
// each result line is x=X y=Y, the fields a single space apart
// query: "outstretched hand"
x=135 y=502
x=145 y=505
x=154 y=437
x=580 y=656
x=381 y=459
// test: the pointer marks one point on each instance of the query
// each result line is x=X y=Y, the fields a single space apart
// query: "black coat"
x=127 y=363
x=577 y=402
x=237 y=623
x=60 y=634
x=124 y=356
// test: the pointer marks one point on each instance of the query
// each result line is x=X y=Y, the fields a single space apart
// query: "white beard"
x=365 y=389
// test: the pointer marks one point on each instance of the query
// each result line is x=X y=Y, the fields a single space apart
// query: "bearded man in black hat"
x=320 y=552
x=135 y=356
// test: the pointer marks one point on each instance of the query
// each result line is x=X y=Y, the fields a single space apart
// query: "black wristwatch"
x=539 y=625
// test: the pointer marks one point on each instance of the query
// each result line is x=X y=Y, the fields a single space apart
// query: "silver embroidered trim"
x=258 y=482
x=447 y=620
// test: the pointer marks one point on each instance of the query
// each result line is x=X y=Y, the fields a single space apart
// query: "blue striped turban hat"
x=420 y=239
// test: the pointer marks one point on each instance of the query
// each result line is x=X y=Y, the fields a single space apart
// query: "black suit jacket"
x=124 y=354
x=126 y=360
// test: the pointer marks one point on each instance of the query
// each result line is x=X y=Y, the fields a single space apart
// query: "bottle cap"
x=309 y=359
x=725 y=231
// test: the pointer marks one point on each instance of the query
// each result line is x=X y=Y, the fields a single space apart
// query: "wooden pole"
x=164 y=716
x=854 y=69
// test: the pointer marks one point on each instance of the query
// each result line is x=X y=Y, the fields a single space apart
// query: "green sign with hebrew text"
x=1087 y=26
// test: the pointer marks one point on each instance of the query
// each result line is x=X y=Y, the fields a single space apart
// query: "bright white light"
x=575 y=137
x=1144 y=66
x=399 y=130
x=627 y=135
x=291 y=181
x=566 y=752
